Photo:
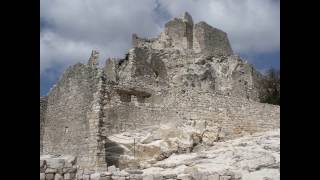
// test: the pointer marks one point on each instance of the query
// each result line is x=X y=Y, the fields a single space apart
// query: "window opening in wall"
x=66 y=129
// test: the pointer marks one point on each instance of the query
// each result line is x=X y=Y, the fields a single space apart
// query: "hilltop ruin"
x=187 y=76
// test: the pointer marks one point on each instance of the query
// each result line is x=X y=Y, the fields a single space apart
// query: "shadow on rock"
x=113 y=153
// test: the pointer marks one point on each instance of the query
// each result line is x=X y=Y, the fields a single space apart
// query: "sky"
x=70 y=29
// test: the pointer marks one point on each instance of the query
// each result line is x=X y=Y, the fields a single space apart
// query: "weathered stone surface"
x=209 y=40
x=105 y=178
x=225 y=177
x=69 y=176
x=51 y=170
x=184 y=177
x=148 y=177
x=213 y=177
x=112 y=169
x=248 y=157
x=95 y=176
x=86 y=177
x=42 y=176
x=49 y=176
x=180 y=31
x=175 y=94
x=43 y=109
x=58 y=177
x=251 y=157
x=42 y=163
x=69 y=170
x=103 y=174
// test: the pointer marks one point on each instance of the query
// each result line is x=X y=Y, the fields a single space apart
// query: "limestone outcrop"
x=252 y=157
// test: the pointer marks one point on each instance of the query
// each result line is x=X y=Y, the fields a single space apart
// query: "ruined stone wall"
x=141 y=42
x=67 y=128
x=144 y=68
x=178 y=34
x=134 y=112
x=210 y=40
x=181 y=34
x=43 y=109
x=234 y=116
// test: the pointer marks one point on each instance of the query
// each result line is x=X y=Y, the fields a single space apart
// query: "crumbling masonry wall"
x=210 y=40
x=43 y=109
x=182 y=34
x=68 y=127
x=235 y=116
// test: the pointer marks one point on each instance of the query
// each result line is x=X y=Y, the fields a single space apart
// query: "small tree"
x=271 y=85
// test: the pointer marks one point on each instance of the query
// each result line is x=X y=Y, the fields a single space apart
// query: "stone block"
x=225 y=178
x=58 y=177
x=120 y=173
x=112 y=169
x=69 y=176
x=69 y=170
x=184 y=177
x=167 y=176
x=213 y=177
x=117 y=178
x=105 y=178
x=95 y=176
x=55 y=163
x=70 y=159
x=104 y=174
x=194 y=172
x=51 y=170
x=134 y=171
x=42 y=176
x=148 y=177
x=49 y=176
x=86 y=177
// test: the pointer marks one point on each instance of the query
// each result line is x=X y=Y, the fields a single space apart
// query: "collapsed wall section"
x=178 y=34
x=143 y=68
x=180 y=31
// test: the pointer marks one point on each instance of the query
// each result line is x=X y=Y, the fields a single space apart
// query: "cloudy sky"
x=70 y=29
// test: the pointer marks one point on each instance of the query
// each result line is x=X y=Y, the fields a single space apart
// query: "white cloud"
x=78 y=26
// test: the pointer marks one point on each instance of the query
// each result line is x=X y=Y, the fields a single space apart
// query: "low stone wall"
x=57 y=167
x=65 y=168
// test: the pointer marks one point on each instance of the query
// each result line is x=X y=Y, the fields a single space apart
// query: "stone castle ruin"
x=187 y=76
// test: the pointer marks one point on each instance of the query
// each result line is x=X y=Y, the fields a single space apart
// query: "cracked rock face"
x=251 y=157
